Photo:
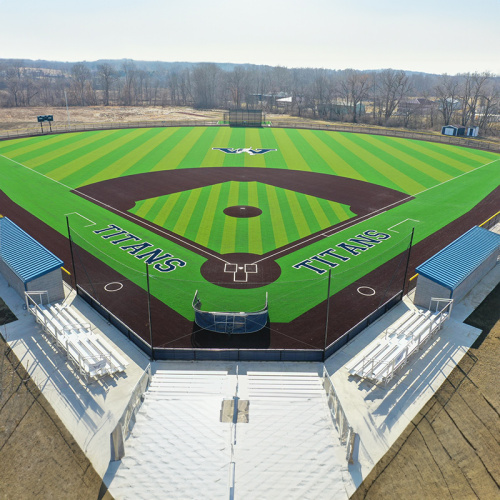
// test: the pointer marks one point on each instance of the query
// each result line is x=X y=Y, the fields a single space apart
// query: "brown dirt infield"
x=122 y=193
x=242 y=211
x=171 y=330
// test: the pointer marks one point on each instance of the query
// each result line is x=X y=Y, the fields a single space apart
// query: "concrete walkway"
x=90 y=412
x=288 y=449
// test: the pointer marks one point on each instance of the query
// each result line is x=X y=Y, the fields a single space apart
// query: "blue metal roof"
x=454 y=263
x=23 y=254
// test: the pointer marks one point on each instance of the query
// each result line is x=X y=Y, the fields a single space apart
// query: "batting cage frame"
x=244 y=117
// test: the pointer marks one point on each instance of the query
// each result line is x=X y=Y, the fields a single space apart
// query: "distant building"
x=415 y=105
x=472 y=131
x=453 y=130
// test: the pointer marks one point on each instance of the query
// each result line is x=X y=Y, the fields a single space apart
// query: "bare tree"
x=205 y=78
x=129 y=69
x=106 y=75
x=394 y=86
x=13 y=80
x=471 y=90
x=81 y=75
x=354 y=88
x=447 y=92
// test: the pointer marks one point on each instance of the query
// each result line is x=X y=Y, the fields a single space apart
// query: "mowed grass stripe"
x=241 y=237
x=195 y=156
x=427 y=157
x=292 y=156
x=318 y=210
x=215 y=240
x=95 y=159
x=230 y=223
x=124 y=163
x=255 y=236
x=206 y=224
x=166 y=209
x=342 y=148
x=40 y=145
x=402 y=182
x=315 y=156
x=187 y=212
x=253 y=140
x=58 y=154
x=169 y=138
x=460 y=158
x=277 y=222
x=421 y=172
x=178 y=148
x=142 y=208
x=236 y=140
x=29 y=143
x=273 y=159
x=287 y=214
x=215 y=158
x=339 y=212
x=176 y=205
x=322 y=142
x=195 y=220
x=302 y=225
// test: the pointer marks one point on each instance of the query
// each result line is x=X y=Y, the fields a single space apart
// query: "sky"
x=433 y=36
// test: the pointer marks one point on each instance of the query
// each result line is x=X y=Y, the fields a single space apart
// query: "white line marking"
x=92 y=223
x=386 y=207
x=123 y=214
x=219 y=258
x=390 y=228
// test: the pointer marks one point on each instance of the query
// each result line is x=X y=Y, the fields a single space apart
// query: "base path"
x=347 y=308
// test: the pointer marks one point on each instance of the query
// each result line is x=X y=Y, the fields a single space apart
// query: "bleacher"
x=382 y=358
x=89 y=353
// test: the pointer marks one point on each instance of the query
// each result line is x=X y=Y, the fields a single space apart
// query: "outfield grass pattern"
x=287 y=216
x=444 y=179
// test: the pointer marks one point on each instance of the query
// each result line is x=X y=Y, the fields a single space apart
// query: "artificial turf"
x=446 y=181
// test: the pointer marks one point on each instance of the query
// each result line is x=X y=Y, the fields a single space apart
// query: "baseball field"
x=236 y=213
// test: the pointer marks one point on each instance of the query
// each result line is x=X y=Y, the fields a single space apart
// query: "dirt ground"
x=39 y=458
x=16 y=118
x=451 y=450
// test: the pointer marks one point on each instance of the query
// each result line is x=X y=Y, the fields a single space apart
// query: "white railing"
x=381 y=359
x=346 y=433
x=91 y=355
x=123 y=427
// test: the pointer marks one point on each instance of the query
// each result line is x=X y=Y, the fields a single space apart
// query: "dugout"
x=457 y=268
x=244 y=117
x=26 y=264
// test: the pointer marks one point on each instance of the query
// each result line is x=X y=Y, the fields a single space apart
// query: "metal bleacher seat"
x=385 y=355
x=91 y=354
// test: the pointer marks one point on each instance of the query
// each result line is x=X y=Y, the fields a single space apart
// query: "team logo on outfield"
x=250 y=151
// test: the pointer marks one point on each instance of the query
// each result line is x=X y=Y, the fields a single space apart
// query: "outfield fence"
x=58 y=128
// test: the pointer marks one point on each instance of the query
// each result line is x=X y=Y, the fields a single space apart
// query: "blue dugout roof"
x=27 y=258
x=454 y=263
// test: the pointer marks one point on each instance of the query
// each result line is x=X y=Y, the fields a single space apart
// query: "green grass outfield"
x=447 y=181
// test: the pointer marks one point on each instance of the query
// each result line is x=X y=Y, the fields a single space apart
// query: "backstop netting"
x=229 y=322
x=244 y=117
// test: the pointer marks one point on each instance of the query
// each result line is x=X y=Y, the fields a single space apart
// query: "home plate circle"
x=114 y=286
x=366 y=290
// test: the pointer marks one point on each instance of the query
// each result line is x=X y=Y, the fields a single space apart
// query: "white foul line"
x=124 y=214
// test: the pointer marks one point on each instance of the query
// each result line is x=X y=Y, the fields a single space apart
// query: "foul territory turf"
x=238 y=213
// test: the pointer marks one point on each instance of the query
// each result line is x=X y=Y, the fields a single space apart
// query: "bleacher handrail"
x=346 y=433
x=91 y=360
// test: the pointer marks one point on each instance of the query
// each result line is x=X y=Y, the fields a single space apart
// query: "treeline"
x=384 y=97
